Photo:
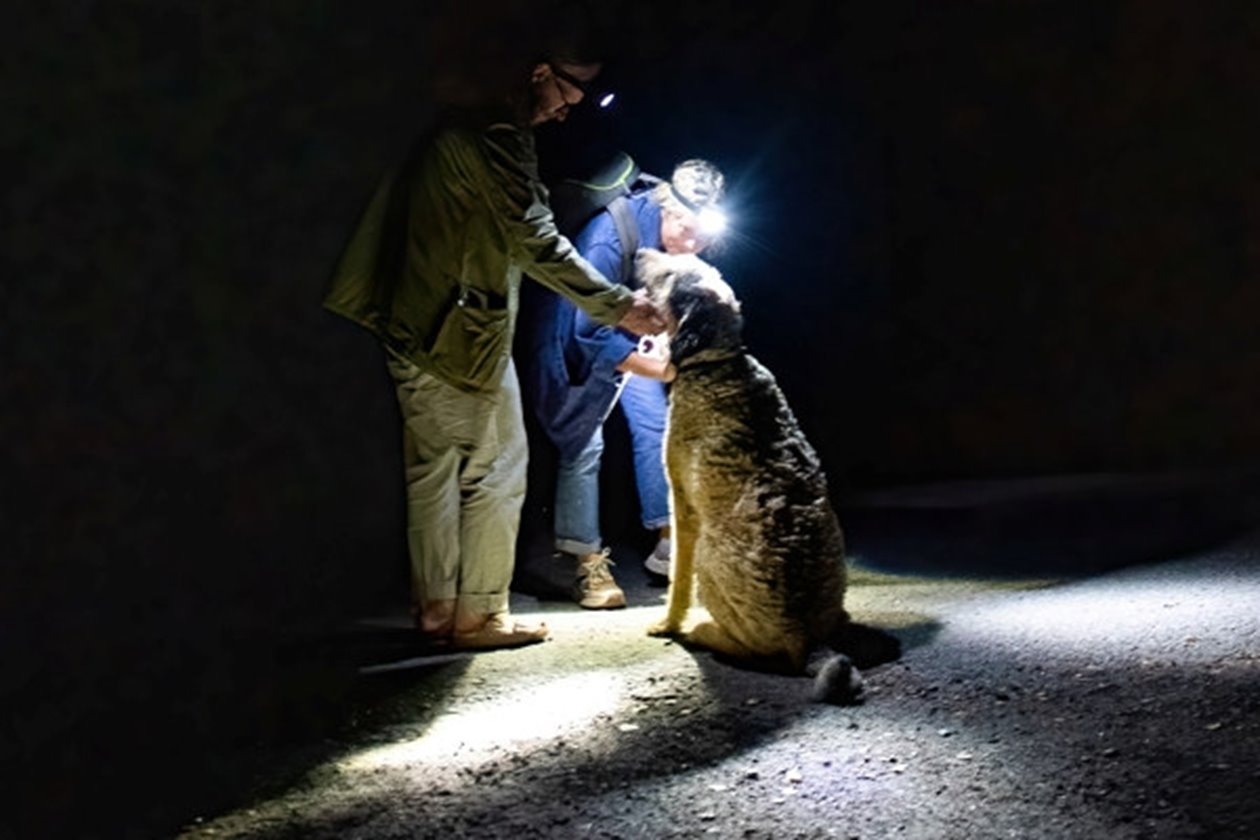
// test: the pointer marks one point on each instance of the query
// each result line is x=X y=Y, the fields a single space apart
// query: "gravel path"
x=1118 y=705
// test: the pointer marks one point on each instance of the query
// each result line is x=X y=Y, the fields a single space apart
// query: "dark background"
x=973 y=240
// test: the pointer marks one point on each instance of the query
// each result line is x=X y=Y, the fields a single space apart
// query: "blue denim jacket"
x=569 y=371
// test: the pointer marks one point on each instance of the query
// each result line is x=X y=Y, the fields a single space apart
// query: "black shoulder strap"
x=628 y=233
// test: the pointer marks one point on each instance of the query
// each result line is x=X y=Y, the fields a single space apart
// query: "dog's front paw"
x=664 y=627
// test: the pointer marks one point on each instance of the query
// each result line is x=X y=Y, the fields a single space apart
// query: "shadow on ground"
x=1055 y=527
x=276 y=715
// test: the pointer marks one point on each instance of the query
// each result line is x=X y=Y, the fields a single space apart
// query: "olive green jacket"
x=434 y=267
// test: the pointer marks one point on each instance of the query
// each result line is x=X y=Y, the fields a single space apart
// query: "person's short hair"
x=694 y=185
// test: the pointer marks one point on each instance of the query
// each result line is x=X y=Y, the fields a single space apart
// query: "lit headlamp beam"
x=712 y=221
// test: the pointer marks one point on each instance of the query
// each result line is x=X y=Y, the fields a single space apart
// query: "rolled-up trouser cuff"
x=483 y=603
x=577 y=547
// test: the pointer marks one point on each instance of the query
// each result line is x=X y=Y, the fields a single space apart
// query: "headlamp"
x=602 y=96
x=712 y=221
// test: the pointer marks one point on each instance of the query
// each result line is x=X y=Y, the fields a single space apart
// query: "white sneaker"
x=657 y=563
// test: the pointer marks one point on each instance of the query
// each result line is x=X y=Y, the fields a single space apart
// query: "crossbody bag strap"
x=627 y=233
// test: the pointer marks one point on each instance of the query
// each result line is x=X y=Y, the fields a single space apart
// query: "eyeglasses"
x=560 y=75
x=583 y=87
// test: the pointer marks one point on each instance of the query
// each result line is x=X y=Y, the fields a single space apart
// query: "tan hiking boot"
x=595 y=588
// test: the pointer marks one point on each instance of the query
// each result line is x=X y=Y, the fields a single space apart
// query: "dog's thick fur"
x=752 y=524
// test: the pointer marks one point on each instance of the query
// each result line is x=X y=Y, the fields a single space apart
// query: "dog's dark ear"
x=689 y=338
x=704 y=322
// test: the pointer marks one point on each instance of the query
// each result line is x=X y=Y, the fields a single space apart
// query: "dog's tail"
x=836 y=681
x=835 y=668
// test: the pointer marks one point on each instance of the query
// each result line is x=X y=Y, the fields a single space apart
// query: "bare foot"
x=435 y=620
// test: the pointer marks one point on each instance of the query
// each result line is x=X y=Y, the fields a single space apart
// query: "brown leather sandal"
x=499 y=632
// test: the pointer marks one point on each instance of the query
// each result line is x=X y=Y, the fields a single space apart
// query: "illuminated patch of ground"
x=1121 y=705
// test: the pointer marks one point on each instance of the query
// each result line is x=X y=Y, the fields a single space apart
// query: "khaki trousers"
x=465 y=459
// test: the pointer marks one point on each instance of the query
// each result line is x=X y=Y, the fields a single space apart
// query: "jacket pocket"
x=470 y=348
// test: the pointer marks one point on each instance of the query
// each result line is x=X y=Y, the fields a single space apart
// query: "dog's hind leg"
x=711 y=635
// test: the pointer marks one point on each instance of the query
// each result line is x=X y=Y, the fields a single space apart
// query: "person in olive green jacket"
x=434 y=271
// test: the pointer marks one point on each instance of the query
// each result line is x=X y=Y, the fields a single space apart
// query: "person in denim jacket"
x=576 y=369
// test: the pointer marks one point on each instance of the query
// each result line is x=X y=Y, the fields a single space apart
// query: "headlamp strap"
x=685 y=202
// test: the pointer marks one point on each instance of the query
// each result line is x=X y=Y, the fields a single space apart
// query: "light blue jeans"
x=643 y=402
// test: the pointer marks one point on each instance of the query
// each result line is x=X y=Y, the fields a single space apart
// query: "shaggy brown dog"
x=752 y=524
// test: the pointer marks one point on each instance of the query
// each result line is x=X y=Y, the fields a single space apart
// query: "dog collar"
x=709 y=357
